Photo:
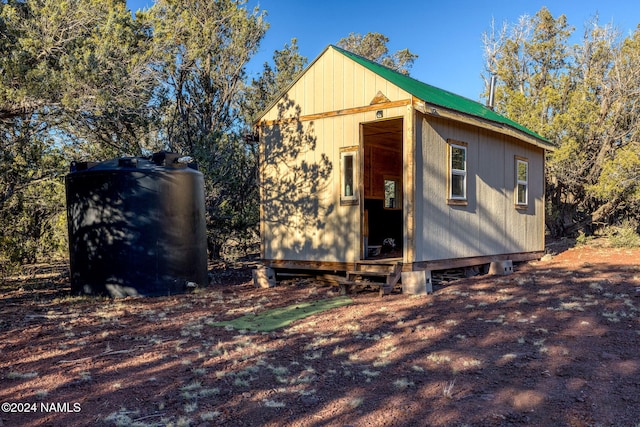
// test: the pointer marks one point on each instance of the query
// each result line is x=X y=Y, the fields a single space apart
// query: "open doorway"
x=382 y=222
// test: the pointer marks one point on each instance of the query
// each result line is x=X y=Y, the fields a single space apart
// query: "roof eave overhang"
x=439 y=111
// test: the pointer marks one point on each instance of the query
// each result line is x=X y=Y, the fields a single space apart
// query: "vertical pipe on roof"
x=492 y=90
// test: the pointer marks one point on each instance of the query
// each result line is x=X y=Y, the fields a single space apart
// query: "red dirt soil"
x=555 y=343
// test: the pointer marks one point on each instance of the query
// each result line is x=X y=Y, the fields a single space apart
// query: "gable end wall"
x=309 y=223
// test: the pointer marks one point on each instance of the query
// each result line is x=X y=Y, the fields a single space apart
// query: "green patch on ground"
x=277 y=318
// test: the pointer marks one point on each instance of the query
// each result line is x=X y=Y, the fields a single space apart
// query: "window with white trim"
x=349 y=176
x=457 y=172
x=522 y=182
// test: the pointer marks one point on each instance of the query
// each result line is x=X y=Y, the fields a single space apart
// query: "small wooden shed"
x=355 y=157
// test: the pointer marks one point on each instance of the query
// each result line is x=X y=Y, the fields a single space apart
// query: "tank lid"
x=160 y=160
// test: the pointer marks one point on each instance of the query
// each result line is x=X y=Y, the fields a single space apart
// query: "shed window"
x=392 y=193
x=348 y=176
x=522 y=182
x=457 y=172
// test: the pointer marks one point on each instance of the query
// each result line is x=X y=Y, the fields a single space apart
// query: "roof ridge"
x=408 y=76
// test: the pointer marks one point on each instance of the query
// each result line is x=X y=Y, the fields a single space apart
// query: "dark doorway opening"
x=383 y=198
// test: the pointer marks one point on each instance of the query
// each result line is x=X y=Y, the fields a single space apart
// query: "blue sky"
x=447 y=35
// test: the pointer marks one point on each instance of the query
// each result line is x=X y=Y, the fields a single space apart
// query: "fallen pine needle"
x=106 y=353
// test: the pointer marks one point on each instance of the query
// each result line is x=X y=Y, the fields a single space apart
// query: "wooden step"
x=391 y=273
x=379 y=265
x=388 y=261
x=365 y=273
x=351 y=287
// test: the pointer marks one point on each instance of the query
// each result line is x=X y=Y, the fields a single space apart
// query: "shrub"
x=625 y=235
x=583 y=239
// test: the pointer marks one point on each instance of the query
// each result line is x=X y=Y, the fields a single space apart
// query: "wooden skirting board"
x=327 y=267
x=473 y=261
x=308 y=265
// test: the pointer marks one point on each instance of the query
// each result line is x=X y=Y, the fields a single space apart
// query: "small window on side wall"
x=349 y=176
x=457 y=185
x=522 y=182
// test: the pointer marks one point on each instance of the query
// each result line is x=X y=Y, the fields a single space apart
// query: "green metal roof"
x=439 y=97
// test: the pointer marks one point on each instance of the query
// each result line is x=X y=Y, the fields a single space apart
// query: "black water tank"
x=136 y=226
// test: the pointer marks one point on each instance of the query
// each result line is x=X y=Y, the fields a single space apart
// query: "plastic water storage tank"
x=136 y=226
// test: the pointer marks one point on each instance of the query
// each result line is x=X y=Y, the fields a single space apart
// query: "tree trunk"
x=599 y=216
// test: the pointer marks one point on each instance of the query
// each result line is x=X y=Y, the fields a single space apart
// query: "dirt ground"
x=555 y=343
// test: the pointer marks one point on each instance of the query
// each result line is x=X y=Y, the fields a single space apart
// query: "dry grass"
x=399 y=348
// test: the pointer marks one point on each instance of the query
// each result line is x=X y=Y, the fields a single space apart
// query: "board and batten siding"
x=305 y=221
x=333 y=83
x=489 y=224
